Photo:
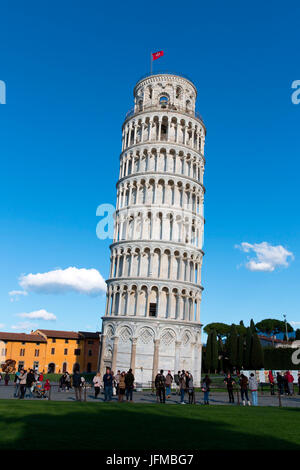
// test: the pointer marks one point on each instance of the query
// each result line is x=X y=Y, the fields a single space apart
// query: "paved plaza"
x=146 y=396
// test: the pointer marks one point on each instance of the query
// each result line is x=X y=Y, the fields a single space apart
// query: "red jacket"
x=289 y=377
x=271 y=378
x=47 y=385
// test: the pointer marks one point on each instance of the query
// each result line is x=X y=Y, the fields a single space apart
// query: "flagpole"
x=151 y=60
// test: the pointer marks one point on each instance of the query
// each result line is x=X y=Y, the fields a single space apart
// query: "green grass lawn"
x=125 y=426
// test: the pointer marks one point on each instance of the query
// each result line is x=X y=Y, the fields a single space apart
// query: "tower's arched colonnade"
x=152 y=317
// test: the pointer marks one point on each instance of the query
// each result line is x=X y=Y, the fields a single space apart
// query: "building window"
x=23 y=342
x=152 y=310
x=35 y=365
x=37 y=344
x=20 y=365
x=89 y=367
x=77 y=341
x=77 y=352
x=53 y=340
x=65 y=352
x=66 y=341
x=90 y=352
x=36 y=353
x=52 y=350
x=22 y=352
x=4 y=352
x=51 y=368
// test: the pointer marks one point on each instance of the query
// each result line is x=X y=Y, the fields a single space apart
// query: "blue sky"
x=70 y=68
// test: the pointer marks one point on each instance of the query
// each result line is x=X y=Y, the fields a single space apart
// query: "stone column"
x=115 y=353
x=133 y=355
x=101 y=354
x=155 y=359
x=177 y=357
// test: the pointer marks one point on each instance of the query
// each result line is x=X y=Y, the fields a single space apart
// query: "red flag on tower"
x=157 y=55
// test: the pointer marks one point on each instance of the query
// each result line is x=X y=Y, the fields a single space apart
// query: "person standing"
x=23 y=379
x=253 y=386
x=206 y=389
x=244 y=389
x=190 y=387
x=29 y=382
x=169 y=380
x=97 y=384
x=160 y=385
x=6 y=378
x=279 y=380
x=290 y=383
x=182 y=385
x=129 y=384
x=272 y=382
x=47 y=387
x=230 y=383
x=117 y=380
x=68 y=381
x=77 y=385
x=108 y=384
x=17 y=384
x=177 y=382
x=121 y=387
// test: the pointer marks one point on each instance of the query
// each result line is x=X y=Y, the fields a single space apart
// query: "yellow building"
x=52 y=351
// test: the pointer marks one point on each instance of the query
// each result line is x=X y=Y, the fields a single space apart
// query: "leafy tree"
x=272 y=327
x=257 y=354
x=297 y=336
x=231 y=346
x=221 y=329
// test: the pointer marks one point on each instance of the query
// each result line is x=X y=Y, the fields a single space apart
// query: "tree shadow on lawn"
x=113 y=426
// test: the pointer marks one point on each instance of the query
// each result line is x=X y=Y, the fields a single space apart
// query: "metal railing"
x=164 y=72
x=164 y=107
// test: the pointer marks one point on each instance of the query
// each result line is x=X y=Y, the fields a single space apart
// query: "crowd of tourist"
x=30 y=383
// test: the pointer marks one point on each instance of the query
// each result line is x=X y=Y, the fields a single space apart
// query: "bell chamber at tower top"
x=164 y=110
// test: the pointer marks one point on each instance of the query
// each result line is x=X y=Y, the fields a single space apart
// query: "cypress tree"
x=240 y=352
x=220 y=355
x=208 y=355
x=248 y=349
x=252 y=326
x=214 y=351
x=232 y=347
x=257 y=354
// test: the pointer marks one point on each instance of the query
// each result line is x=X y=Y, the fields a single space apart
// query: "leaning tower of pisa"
x=152 y=317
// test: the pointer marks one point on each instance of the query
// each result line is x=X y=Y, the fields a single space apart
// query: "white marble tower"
x=152 y=318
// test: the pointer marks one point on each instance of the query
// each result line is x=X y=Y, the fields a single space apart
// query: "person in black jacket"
x=129 y=382
x=160 y=385
x=230 y=382
x=77 y=385
x=30 y=380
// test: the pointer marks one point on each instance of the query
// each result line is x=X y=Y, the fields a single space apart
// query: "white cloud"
x=38 y=315
x=2 y=325
x=267 y=258
x=84 y=281
x=24 y=326
x=295 y=324
x=15 y=294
